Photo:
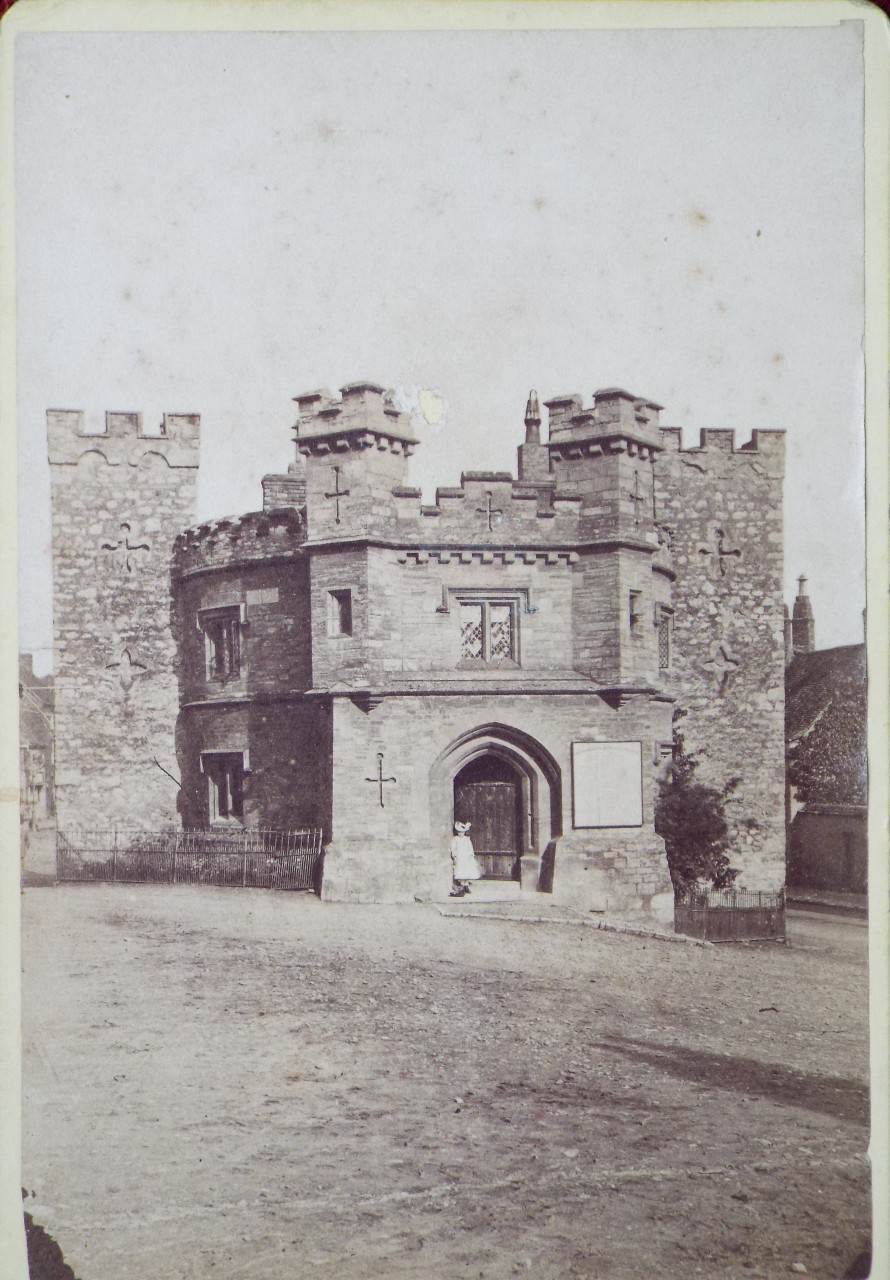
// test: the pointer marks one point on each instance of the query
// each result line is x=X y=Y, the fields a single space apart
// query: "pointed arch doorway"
x=509 y=786
x=488 y=793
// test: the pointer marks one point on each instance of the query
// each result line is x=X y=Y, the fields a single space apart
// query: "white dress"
x=464 y=859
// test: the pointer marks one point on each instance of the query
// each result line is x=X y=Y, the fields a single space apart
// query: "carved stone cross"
x=337 y=494
x=129 y=668
x=489 y=511
x=724 y=665
x=123 y=551
x=720 y=553
x=379 y=779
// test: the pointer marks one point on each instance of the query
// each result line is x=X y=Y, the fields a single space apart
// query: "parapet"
x=363 y=408
x=614 y=412
x=222 y=544
x=770 y=444
x=176 y=438
x=491 y=505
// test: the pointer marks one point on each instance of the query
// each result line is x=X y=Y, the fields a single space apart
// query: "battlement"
x=771 y=443
x=122 y=440
x=256 y=536
x=364 y=408
x=614 y=412
x=488 y=507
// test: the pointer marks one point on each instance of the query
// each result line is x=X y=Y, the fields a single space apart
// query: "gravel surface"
x=238 y=1084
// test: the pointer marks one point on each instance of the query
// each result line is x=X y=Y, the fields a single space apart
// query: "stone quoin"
x=351 y=659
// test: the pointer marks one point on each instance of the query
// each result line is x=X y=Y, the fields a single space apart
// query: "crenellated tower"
x=720 y=519
x=604 y=457
x=356 y=452
x=118 y=499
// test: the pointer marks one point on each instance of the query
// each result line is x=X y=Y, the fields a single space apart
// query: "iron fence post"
x=114 y=856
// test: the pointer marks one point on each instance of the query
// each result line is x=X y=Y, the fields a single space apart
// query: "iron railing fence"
x=252 y=859
x=730 y=915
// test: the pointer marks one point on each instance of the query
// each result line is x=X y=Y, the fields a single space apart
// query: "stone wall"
x=117 y=501
x=720 y=509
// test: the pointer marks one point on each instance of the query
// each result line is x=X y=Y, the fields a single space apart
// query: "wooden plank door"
x=493 y=810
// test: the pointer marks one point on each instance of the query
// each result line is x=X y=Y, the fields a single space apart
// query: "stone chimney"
x=803 y=624
x=534 y=457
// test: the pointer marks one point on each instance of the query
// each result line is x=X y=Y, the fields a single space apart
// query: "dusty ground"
x=237 y=1084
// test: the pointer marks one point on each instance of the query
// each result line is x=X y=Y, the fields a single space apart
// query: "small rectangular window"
x=222 y=638
x=225 y=785
x=635 y=609
x=340 y=613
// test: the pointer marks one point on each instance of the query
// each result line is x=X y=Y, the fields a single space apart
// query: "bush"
x=691 y=819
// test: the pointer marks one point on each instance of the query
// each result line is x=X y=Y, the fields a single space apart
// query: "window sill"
x=480 y=664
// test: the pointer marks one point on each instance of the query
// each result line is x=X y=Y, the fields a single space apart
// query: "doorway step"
x=527 y=907
x=494 y=891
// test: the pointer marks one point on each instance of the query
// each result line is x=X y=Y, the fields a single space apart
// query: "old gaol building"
x=352 y=659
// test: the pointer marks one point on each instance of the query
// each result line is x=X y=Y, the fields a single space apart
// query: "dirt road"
x=240 y=1084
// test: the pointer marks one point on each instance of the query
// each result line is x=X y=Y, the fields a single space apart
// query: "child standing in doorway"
x=463 y=859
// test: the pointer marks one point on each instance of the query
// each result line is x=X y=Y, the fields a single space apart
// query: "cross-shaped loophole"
x=129 y=669
x=124 y=548
x=337 y=494
x=724 y=665
x=489 y=511
x=379 y=779
x=720 y=553
x=637 y=498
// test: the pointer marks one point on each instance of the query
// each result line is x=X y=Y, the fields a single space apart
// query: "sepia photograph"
x=443 y=773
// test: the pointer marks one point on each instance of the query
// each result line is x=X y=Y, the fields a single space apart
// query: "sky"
x=214 y=223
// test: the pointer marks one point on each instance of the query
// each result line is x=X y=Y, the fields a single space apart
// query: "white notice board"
x=607 y=784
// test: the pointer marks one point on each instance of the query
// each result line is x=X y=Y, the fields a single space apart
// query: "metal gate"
x=256 y=859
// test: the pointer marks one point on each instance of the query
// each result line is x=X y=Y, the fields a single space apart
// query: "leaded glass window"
x=500 y=618
x=663 y=638
x=488 y=631
x=471 y=631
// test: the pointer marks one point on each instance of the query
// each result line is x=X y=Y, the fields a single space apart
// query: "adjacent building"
x=826 y=726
